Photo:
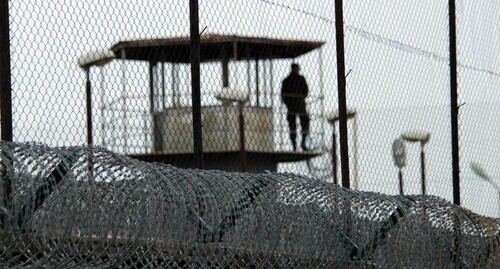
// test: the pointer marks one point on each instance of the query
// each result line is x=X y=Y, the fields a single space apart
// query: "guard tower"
x=165 y=123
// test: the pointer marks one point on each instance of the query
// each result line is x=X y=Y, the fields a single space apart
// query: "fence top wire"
x=377 y=38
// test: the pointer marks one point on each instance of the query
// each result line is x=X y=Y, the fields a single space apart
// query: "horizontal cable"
x=384 y=40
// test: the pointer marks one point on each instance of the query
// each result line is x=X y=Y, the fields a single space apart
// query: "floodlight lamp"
x=229 y=95
x=416 y=136
x=479 y=171
x=96 y=58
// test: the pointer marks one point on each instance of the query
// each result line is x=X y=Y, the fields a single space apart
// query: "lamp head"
x=416 y=136
x=229 y=95
x=96 y=58
x=479 y=171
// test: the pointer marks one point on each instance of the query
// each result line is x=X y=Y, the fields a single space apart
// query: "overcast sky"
x=397 y=50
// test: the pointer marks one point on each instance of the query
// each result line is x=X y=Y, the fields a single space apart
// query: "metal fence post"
x=454 y=103
x=344 y=147
x=5 y=98
x=5 y=75
x=243 y=151
x=195 y=82
x=88 y=100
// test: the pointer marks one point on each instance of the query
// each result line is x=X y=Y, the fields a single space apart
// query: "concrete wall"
x=220 y=129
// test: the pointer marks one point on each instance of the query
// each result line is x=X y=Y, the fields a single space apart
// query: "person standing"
x=294 y=91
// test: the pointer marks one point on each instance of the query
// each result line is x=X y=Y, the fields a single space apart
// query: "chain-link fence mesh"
x=259 y=111
x=398 y=53
x=479 y=79
x=84 y=207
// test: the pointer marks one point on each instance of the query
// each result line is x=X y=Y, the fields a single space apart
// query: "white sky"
x=397 y=51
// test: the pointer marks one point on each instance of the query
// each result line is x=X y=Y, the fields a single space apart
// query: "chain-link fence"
x=117 y=74
x=124 y=213
x=479 y=80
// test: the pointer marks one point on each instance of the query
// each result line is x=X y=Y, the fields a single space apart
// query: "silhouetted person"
x=294 y=91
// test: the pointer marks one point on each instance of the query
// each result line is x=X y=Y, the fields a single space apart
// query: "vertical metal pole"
x=401 y=191
x=152 y=108
x=5 y=74
x=103 y=119
x=195 y=82
x=225 y=68
x=454 y=117
x=236 y=66
x=163 y=93
x=145 y=118
x=454 y=103
x=263 y=79
x=243 y=154
x=271 y=82
x=5 y=98
x=88 y=95
x=334 y=155
x=271 y=88
x=322 y=96
x=265 y=87
x=174 y=81
x=344 y=147
x=249 y=83
x=151 y=88
x=269 y=96
x=257 y=90
x=124 y=103
x=422 y=169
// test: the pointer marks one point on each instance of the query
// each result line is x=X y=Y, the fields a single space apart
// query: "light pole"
x=399 y=155
x=479 y=171
x=228 y=96
x=332 y=117
x=86 y=61
x=423 y=137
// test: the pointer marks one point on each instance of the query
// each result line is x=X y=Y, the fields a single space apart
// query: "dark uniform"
x=294 y=91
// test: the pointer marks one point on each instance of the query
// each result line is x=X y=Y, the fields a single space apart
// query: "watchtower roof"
x=213 y=47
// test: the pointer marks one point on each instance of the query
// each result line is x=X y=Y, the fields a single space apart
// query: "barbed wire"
x=87 y=207
x=384 y=40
